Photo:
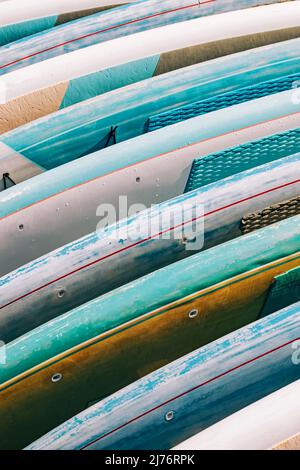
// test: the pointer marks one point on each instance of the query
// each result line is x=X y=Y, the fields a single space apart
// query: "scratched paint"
x=109 y=25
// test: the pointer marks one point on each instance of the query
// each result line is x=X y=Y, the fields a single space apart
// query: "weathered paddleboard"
x=101 y=27
x=152 y=321
x=191 y=393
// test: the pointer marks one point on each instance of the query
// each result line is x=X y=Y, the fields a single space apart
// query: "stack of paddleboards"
x=149 y=224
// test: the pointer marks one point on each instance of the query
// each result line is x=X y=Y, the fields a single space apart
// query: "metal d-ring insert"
x=56 y=378
x=169 y=415
x=193 y=313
